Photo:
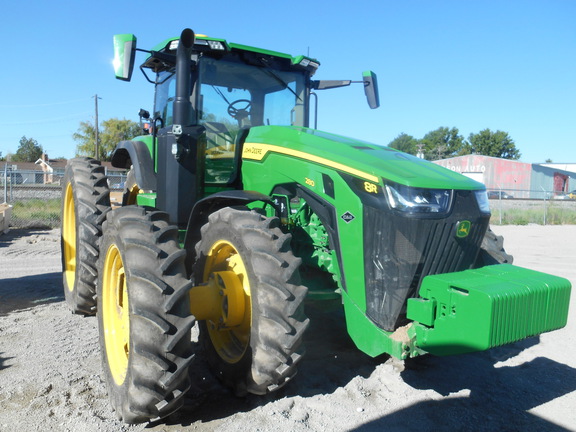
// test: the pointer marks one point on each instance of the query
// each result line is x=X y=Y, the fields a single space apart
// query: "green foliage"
x=553 y=214
x=405 y=143
x=111 y=133
x=28 y=151
x=442 y=143
x=36 y=213
x=437 y=144
x=446 y=142
x=496 y=144
x=85 y=136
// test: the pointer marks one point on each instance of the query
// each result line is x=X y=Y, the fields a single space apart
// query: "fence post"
x=500 y=204
x=11 y=185
x=545 y=210
x=5 y=182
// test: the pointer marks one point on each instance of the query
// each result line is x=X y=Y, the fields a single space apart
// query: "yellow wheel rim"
x=115 y=314
x=69 y=238
x=230 y=342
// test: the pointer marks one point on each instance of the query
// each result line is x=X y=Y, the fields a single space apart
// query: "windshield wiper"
x=273 y=74
x=219 y=92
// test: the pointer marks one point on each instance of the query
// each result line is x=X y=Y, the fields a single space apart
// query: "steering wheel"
x=237 y=112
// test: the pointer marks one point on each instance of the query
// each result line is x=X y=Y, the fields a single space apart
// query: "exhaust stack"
x=182 y=105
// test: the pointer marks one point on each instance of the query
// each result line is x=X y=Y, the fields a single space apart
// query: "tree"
x=496 y=144
x=405 y=143
x=85 y=136
x=442 y=143
x=112 y=131
x=28 y=151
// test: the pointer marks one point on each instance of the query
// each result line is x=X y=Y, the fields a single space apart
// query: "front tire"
x=144 y=315
x=85 y=204
x=492 y=251
x=258 y=352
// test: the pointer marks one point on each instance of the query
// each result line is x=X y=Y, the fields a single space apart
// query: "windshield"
x=232 y=96
x=238 y=95
x=229 y=96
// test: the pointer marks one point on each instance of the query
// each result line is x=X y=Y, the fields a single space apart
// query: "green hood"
x=356 y=157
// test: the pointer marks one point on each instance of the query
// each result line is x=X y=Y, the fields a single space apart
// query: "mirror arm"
x=329 y=84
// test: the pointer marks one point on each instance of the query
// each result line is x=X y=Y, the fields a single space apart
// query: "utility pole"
x=97 y=149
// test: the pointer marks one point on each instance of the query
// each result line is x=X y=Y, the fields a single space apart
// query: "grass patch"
x=36 y=213
x=552 y=215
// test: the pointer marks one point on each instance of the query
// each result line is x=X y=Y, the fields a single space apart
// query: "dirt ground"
x=50 y=367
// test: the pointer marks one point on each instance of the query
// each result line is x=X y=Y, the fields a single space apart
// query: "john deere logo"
x=463 y=229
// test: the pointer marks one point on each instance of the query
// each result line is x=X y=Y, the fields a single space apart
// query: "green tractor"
x=235 y=211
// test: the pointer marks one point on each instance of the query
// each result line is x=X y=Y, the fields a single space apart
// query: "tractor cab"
x=209 y=94
x=231 y=92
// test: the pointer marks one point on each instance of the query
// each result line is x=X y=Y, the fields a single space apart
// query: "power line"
x=37 y=136
x=45 y=104
x=50 y=120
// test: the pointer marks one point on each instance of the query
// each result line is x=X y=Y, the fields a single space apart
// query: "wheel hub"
x=223 y=301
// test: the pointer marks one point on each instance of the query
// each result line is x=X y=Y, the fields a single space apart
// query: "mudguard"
x=137 y=155
x=203 y=208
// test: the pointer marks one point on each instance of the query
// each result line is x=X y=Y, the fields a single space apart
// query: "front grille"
x=399 y=251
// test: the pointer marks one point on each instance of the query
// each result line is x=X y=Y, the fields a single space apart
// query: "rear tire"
x=144 y=316
x=261 y=353
x=85 y=204
x=492 y=251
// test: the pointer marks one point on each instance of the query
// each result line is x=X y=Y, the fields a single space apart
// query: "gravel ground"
x=50 y=371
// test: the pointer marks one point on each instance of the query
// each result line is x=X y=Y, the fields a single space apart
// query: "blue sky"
x=503 y=65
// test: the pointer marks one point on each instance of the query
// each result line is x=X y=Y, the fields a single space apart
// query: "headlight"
x=482 y=200
x=418 y=200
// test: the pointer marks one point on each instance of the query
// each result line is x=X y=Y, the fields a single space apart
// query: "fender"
x=137 y=155
x=206 y=206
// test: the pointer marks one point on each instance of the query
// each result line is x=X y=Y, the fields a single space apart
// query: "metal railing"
x=36 y=197
x=522 y=206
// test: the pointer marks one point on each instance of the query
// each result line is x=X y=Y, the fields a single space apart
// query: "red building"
x=520 y=179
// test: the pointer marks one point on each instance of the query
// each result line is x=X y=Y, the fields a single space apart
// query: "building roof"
x=483 y=157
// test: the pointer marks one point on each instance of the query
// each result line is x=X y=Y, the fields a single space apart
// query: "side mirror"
x=124 y=54
x=371 y=89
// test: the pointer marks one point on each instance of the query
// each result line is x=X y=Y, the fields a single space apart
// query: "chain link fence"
x=36 y=200
x=512 y=207
x=36 y=197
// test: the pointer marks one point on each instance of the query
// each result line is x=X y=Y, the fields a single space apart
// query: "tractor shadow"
x=15 y=233
x=480 y=395
x=331 y=361
x=3 y=360
x=477 y=391
x=29 y=291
